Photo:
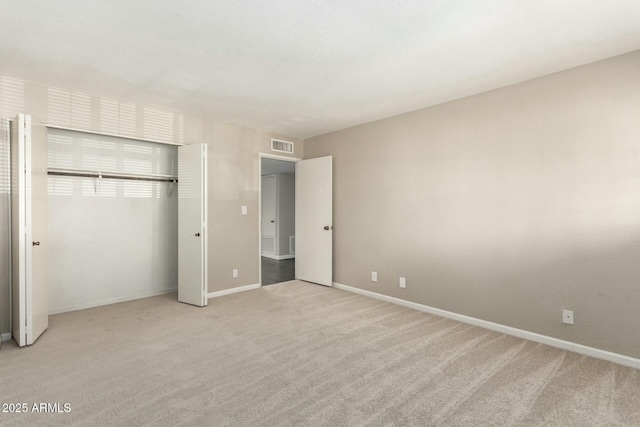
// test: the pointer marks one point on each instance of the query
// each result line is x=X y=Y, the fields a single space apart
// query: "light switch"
x=244 y=210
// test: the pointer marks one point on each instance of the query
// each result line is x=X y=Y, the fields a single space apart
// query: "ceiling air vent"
x=281 y=146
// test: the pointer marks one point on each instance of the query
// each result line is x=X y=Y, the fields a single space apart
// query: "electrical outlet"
x=235 y=272
x=243 y=210
x=567 y=317
x=403 y=282
x=374 y=276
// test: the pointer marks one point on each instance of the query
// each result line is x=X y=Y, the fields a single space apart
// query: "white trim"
x=204 y=195
x=115 y=135
x=532 y=336
x=28 y=229
x=10 y=228
x=278 y=257
x=277 y=157
x=6 y=337
x=77 y=307
x=19 y=176
x=233 y=290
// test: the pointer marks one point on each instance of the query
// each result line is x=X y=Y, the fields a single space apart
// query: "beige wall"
x=234 y=174
x=506 y=206
x=233 y=167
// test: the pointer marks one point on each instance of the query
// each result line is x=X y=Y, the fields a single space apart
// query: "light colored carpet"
x=302 y=354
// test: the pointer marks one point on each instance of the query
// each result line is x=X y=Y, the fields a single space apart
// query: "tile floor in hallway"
x=274 y=271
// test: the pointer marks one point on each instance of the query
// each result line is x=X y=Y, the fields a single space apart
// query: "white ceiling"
x=303 y=68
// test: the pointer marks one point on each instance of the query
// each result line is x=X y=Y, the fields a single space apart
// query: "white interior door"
x=314 y=220
x=268 y=210
x=192 y=224
x=29 y=230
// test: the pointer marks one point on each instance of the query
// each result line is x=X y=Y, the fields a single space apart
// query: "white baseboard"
x=233 y=290
x=520 y=333
x=76 y=307
x=278 y=257
x=6 y=336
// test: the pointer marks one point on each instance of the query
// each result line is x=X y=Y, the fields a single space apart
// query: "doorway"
x=277 y=220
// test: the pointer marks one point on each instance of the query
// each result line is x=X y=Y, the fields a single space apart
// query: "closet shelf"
x=115 y=135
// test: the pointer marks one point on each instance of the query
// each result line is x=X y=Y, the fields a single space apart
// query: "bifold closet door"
x=192 y=224
x=314 y=220
x=29 y=225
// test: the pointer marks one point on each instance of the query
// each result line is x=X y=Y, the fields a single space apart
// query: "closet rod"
x=91 y=174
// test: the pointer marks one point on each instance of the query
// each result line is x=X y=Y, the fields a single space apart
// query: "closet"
x=99 y=219
x=113 y=211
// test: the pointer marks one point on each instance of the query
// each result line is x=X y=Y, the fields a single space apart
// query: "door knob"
x=272 y=221
x=36 y=243
x=326 y=227
x=197 y=234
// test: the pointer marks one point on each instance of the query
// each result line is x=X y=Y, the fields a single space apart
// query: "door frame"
x=272 y=157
